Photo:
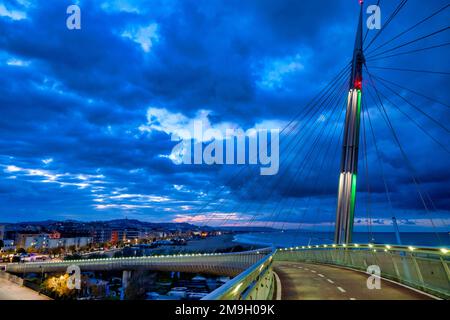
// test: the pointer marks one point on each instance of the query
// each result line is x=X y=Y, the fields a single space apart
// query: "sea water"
x=294 y=238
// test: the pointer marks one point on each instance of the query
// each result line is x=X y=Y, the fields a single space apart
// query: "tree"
x=57 y=285
x=139 y=284
x=55 y=251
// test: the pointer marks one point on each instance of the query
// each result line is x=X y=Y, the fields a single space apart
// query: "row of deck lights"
x=387 y=248
x=123 y=258
x=355 y=245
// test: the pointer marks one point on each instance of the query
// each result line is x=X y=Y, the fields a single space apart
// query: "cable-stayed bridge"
x=332 y=136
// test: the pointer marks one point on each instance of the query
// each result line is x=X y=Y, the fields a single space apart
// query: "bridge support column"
x=349 y=162
x=126 y=276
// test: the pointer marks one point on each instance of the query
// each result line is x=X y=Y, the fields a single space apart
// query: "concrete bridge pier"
x=126 y=276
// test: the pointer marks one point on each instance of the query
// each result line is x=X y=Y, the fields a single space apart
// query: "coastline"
x=210 y=244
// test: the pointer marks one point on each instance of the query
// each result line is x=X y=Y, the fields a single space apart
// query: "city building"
x=8 y=245
x=51 y=240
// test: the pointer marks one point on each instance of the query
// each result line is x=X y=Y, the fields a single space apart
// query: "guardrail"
x=255 y=283
x=230 y=264
x=423 y=268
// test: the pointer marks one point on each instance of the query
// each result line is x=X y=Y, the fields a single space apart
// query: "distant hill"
x=90 y=225
x=48 y=225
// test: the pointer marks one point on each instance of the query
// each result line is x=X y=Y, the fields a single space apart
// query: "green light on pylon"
x=353 y=186
x=359 y=102
x=353 y=199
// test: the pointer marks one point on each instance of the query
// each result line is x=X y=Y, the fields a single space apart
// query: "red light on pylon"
x=358 y=84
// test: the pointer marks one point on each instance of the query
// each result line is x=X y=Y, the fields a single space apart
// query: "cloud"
x=48 y=176
x=144 y=36
x=17 y=62
x=199 y=129
x=11 y=13
x=47 y=161
x=81 y=98
x=163 y=120
x=274 y=72
x=212 y=218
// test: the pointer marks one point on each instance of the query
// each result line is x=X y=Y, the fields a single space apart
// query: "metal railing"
x=255 y=283
x=423 y=268
x=230 y=264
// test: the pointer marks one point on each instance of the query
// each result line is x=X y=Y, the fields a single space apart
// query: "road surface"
x=303 y=281
x=12 y=291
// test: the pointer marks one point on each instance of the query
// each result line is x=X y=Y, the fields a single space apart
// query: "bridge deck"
x=303 y=281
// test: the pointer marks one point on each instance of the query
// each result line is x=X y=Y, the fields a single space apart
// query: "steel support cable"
x=410 y=90
x=280 y=177
x=310 y=132
x=338 y=146
x=264 y=202
x=333 y=168
x=331 y=86
x=405 y=157
x=412 y=70
x=366 y=170
x=240 y=171
x=295 y=200
x=416 y=182
x=330 y=135
x=380 y=162
x=285 y=210
x=310 y=106
x=326 y=95
x=407 y=43
x=303 y=164
x=323 y=187
x=249 y=205
x=409 y=29
x=331 y=83
x=416 y=123
x=323 y=105
x=439 y=124
x=409 y=52
x=386 y=24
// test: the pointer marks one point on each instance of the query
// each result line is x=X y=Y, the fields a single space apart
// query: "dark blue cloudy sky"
x=86 y=115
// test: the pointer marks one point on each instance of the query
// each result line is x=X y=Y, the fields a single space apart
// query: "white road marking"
x=330 y=281
x=313 y=271
x=341 y=290
x=277 y=278
x=352 y=299
x=320 y=275
x=306 y=269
